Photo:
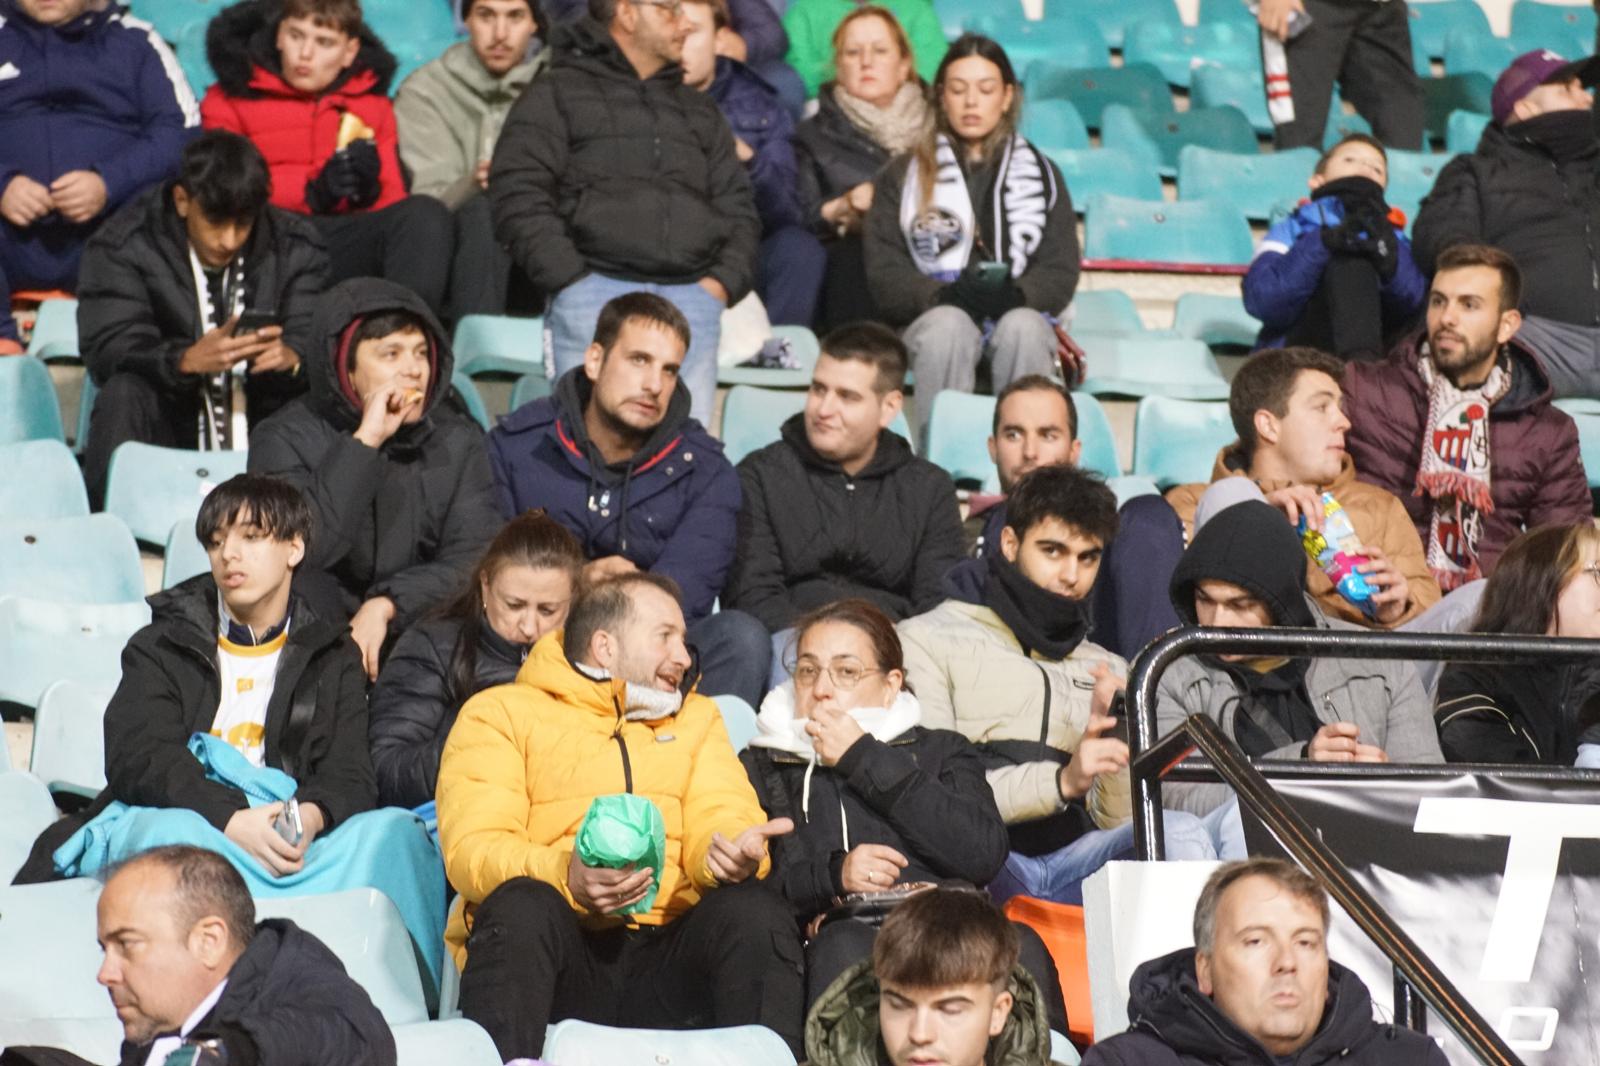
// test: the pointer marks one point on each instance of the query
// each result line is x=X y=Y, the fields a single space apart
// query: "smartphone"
x=288 y=823
x=993 y=272
x=251 y=321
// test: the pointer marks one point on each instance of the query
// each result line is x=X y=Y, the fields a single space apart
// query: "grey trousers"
x=946 y=348
x=1569 y=354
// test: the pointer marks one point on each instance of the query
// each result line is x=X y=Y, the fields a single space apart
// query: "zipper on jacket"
x=616 y=735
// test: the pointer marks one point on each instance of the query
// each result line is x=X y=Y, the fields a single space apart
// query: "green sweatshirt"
x=811 y=23
x=449 y=114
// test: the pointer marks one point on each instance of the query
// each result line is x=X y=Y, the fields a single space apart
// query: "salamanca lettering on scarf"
x=941 y=235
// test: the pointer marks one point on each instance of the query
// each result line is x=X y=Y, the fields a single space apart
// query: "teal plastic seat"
x=41 y=480
x=1242 y=89
x=190 y=46
x=1341 y=124
x=1157 y=139
x=578 y=1043
x=498 y=344
x=55 y=331
x=43 y=642
x=1091 y=172
x=1103 y=311
x=1565 y=28
x=1060 y=37
x=1153 y=365
x=1091 y=88
x=1463 y=130
x=1411 y=177
x=397 y=22
x=28 y=406
x=1114 y=19
x=1224 y=11
x=1586 y=413
x=29 y=811
x=52 y=926
x=1443 y=97
x=739 y=718
x=1261 y=185
x=802 y=343
x=753 y=418
x=185 y=556
x=1176 y=50
x=150 y=488
x=70 y=560
x=1433 y=22
x=1473 y=52
x=1193 y=231
x=87 y=392
x=453 y=1042
x=1099 y=452
x=471 y=398
x=1175 y=442
x=958 y=438
x=1051 y=125
x=1220 y=321
x=172 y=17
x=528 y=388
x=69 y=751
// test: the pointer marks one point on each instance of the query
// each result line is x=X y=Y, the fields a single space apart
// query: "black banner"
x=1498 y=881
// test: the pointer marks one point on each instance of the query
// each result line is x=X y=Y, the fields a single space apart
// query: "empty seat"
x=1091 y=88
x=41 y=480
x=578 y=1043
x=1260 y=185
x=1062 y=36
x=185 y=556
x=1195 y=231
x=55 y=331
x=739 y=718
x=1153 y=365
x=471 y=398
x=1091 y=172
x=43 y=642
x=29 y=810
x=1565 y=28
x=1434 y=21
x=1175 y=442
x=958 y=438
x=1177 y=50
x=69 y=751
x=150 y=488
x=1052 y=125
x=1443 y=97
x=1463 y=130
x=1243 y=89
x=1220 y=321
x=803 y=345
x=1099 y=452
x=1472 y=52
x=499 y=344
x=1114 y=19
x=70 y=560
x=29 y=409
x=1158 y=138
x=1103 y=311
x=753 y=418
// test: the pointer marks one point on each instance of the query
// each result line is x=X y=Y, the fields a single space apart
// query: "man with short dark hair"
x=606 y=707
x=612 y=175
x=616 y=457
x=187 y=966
x=162 y=291
x=943 y=985
x=840 y=506
x=1258 y=982
x=306 y=80
x=1458 y=423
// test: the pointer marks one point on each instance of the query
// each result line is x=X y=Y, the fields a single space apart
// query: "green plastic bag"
x=625 y=830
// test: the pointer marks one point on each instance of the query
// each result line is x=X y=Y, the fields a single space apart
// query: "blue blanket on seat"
x=387 y=849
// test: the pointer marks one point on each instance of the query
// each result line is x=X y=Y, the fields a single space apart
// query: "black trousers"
x=734 y=959
x=1365 y=46
x=409 y=243
x=840 y=945
x=480 y=269
x=1345 y=313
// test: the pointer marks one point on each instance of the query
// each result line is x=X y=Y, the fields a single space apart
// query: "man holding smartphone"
x=195 y=303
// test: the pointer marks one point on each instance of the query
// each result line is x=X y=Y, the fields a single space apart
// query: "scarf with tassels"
x=1454 y=471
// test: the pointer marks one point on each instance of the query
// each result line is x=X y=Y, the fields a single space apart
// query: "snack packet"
x=351 y=128
x=1337 y=550
x=625 y=830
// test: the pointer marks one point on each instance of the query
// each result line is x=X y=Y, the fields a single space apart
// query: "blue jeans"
x=1059 y=876
x=733 y=650
x=576 y=308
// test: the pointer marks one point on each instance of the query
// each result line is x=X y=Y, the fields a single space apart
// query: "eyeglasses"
x=845 y=674
x=673 y=8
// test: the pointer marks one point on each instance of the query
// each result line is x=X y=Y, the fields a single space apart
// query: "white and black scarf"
x=941 y=234
x=221 y=424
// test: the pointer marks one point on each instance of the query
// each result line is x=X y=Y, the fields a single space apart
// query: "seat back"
x=1062 y=36
x=1259 y=185
x=528 y=388
x=499 y=344
x=1434 y=21
x=1177 y=50
x=1159 y=138
x=1175 y=442
x=1091 y=88
x=1104 y=311
x=1463 y=130
x=1586 y=413
x=739 y=718
x=1216 y=319
x=456 y=1042
x=55 y=331
x=70 y=560
x=185 y=556
x=803 y=345
x=1099 y=452
x=1469 y=51
x=1195 y=231
x=472 y=398
x=29 y=409
x=1242 y=89
x=1060 y=926
x=53 y=927
x=150 y=488
x=958 y=437
x=1091 y=172
x=29 y=811
x=1115 y=19
x=1050 y=125
x=1411 y=177
x=69 y=750
x=1153 y=365
x=1565 y=28
x=41 y=480
x=576 y=1043
x=43 y=642
x=1443 y=97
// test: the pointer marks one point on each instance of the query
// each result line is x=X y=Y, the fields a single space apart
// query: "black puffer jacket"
x=289 y=1000
x=834 y=155
x=406 y=520
x=1511 y=193
x=1173 y=1024
x=414 y=705
x=598 y=170
x=1517 y=712
x=138 y=310
x=810 y=534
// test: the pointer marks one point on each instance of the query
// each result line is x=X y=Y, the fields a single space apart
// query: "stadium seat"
x=1220 y=321
x=1586 y=413
x=1411 y=177
x=398 y=22
x=1463 y=130
x=1099 y=451
x=739 y=718
x=1443 y=97
x=1243 y=89
x=150 y=488
x=69 y=751
x=1565 y=28
x=29 y=810
x=1156 y=139
x=172 y=17
x=1470 y=52
x=70 y=560
x=805 y=347
x=1433 y=21
x=185 y=556
x=1115 y=18
x=753 y=418
x=1091 y=88
x=1052 y=125
x=1194 y=231
x=1103 y=311
x=1224 y=11
x=472 y=398
x=1091 y=172
x=42 y=642
x=53 y=926
x=953 y=15
x=1060 y=37
x=1060 y=926
x=456 y=1042
x=578 y=1043
x=1175 y=442
x=1153 y=365
x=29 y=409
x=528 y=388
x=1262 y=185
x=87 y=391
x=1342 y=124
x=55 y=331
x=1177 y=50
x=41 y=480
x=958 y=438
x=498 y=344
x=190 y=45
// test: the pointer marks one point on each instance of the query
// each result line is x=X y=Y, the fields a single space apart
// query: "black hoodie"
x=407 y=520
x=1174 y=1024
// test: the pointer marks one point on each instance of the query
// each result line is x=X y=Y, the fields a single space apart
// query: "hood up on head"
x=1252 y=545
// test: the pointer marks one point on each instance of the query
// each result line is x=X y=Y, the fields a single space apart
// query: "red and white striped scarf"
x=1455 y=468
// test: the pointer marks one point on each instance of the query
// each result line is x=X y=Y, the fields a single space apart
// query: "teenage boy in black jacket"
x=162 y=289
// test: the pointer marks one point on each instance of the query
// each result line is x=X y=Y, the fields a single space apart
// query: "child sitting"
x=1337 y=273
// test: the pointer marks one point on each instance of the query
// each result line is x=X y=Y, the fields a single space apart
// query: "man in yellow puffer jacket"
x=597 y=710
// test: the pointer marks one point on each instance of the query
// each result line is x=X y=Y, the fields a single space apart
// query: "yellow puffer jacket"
x=525 y=760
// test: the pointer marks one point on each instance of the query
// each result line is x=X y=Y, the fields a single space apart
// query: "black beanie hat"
x=1252 y=545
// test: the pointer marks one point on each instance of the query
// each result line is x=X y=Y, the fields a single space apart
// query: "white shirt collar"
x=168 y=1044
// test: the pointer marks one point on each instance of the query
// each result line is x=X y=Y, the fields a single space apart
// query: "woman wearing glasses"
x=1547 y=582
x=879 y=803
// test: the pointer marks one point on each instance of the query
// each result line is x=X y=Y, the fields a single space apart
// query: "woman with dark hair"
x=1546 y=582
x=519 y=591
x=971 y=243
x=878 y=802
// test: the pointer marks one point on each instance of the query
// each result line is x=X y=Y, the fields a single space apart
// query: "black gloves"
x=351 y=174
x=982 y=300
x=1366 y=232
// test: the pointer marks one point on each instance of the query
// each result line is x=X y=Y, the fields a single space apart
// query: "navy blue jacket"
x=671 y=509
x=101 y=93
x=759 y=119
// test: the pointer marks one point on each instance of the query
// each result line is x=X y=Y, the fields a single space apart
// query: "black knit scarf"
x=1042 y=621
